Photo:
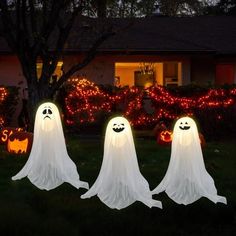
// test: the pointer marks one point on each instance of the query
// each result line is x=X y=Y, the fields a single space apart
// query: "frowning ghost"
x=120 y=182
x=186 y=179
x=49 y=165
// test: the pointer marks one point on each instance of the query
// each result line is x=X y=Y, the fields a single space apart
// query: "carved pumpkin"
x=164 y=137
x=6 y=132
x=20 y=142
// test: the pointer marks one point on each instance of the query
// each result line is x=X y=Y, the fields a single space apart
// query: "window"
x=170 y=74
x=57 y=73
x=145 y=74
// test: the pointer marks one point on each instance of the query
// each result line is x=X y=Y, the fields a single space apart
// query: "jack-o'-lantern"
x=6 y=132
x=164 y=137
x=20 y=142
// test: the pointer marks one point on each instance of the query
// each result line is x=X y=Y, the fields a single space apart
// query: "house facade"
x=168 y=51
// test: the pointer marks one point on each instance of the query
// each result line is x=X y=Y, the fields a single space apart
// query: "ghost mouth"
x=47 y=117
x=118 y=130
x=184 y=127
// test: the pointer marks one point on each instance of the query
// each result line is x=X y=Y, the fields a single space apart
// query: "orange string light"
x=84 y=101
x=86 y=97
x=3 y=94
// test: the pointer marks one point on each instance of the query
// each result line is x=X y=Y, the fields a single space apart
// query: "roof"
x=212 y=34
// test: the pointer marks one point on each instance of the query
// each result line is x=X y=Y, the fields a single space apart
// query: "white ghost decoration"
x=120 y=182
x=49 y=165
x=186 y=179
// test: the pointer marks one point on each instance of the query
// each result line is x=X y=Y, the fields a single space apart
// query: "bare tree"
x=31 y=27
x=221 y=7
x=180 y=7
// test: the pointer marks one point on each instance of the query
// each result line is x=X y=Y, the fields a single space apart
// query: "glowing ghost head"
x=118 y=130
x=46 y=117
x=185 y=130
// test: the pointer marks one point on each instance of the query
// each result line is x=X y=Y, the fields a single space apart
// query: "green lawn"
x=26 y=210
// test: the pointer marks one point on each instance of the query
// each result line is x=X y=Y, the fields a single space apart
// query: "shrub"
x=8 y=102
x=86 y=104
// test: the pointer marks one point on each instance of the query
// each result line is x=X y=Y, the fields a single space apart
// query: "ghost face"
x=184 y=124
x=46 y=115
x=118 y=129
x=184 y=130
x=47 y=112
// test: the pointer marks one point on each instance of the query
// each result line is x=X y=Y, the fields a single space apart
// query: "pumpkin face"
x=164 y=137
x=20 y=142
x=6 y=132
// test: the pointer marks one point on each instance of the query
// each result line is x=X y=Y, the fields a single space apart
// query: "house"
x=169 y=51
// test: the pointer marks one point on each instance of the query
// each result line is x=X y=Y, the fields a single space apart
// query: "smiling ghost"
x=120 y=182
x=49 y=165
x=186 y=179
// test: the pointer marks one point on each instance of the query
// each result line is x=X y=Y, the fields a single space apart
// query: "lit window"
x=145 y=74
x=57 y=73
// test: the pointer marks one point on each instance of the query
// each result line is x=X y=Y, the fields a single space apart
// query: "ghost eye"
x=186 y=123
x=122 y=124
x=49 y=111
x=181 y=123
x=44 y=111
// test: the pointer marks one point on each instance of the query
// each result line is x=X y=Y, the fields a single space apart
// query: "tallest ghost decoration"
x=120 y=182
x=186 y=179
x=49 y=165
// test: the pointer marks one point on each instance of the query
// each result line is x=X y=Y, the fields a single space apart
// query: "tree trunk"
x=102 y=8
x=38 y=94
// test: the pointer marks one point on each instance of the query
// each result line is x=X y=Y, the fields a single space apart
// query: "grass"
x=26 y=210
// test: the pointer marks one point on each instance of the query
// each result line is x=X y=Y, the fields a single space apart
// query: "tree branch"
x=52 y=15
x=33 y=22
x=89 y=57
x=48 y=69
x=8 y=25
x=25 y=36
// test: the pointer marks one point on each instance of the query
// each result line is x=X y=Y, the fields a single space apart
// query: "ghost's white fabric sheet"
x=120 y=182
x=187 y=179
x=49 y=164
